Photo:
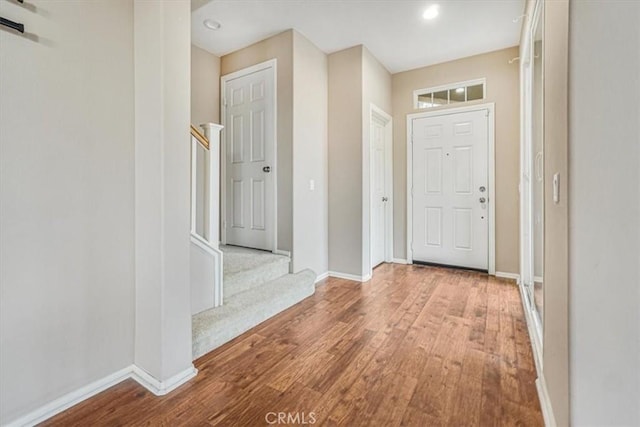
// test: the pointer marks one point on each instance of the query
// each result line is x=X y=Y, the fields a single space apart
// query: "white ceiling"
x=393 y=30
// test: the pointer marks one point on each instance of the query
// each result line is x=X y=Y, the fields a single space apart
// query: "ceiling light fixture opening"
x=431 y=12
x=211 y=24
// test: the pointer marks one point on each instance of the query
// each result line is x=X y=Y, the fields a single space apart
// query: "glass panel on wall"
x=475 y=92
x=425 y=100
x=441 y=98
x=457 y=95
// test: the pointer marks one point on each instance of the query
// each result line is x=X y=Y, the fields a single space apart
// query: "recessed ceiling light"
x=460 y=90
x=211 y=24
x=431 y=12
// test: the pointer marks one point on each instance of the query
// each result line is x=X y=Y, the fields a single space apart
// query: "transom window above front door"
x=452 y=93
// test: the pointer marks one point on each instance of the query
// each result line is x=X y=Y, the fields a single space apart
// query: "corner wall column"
x=162 y=49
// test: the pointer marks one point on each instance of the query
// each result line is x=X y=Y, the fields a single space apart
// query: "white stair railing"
x=206 y=257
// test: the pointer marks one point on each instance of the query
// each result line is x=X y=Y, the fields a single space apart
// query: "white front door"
x=379 y=197
x=451 y=189
x=250 y=160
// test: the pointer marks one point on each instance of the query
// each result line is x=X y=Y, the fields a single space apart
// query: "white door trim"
x=272 y=63
x=490 y=108
x=527 y=172
x=375 y=111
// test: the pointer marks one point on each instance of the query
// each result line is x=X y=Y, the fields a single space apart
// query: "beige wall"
x=376 y=82
x=205 y=87
x=376 y=90
x=302 y=142
x=356 y=80
x=556 y=319
x=205 y=108
x=345 y=161
x=280 y=47
x=67 y=199
x=310 y=207
x=503 y=90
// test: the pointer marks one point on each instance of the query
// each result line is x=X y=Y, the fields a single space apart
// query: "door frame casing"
x=273 y=64
x=527 y=172
x=380 y=114
x=490 y=108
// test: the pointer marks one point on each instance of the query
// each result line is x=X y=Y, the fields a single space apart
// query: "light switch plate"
x=556 y=188
x=312 y=184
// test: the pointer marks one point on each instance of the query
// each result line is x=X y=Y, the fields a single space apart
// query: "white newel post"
x=212 y=228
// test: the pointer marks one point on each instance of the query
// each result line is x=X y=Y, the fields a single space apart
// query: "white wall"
x=310 y=151
x=162 y=175
x=66 y=199
x=604 y=213
x=94 y=196
x=202 y=277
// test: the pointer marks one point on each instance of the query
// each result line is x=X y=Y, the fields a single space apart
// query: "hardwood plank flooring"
x=415 y=346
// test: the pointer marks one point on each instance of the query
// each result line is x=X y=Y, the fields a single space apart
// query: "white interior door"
x=451 y=189
x=379 y=196
x=250 y=160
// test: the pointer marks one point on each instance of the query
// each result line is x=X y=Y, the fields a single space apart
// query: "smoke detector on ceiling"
x=211 y=24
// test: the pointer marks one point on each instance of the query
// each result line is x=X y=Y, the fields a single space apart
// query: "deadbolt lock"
x=482 y=189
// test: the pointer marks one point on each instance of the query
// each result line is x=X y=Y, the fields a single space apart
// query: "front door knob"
x=482 y=200
x=266 y=169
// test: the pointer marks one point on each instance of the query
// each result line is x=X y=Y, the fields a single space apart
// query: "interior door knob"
x=266 y=169
x=385 y=199
x=483 y=200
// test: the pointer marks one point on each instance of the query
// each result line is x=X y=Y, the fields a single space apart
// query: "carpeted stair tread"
x=244 y=310
x=245 y=269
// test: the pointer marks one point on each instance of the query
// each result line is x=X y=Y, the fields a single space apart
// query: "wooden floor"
x=415 y=346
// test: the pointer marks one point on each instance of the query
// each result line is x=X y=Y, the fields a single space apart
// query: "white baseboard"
x=536 y=348
x=532 y=330
x=322 y=276
x=545 y=403
x=399 y=261
x=160 y=388
x=347 y=276
x=504 y=275
x=65 y=402
x=70 y=399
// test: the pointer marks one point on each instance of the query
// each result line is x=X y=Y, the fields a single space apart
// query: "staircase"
x=257 y=285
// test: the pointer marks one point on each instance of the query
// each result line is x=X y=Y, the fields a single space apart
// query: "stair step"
x=245 y=269
x=244 y=310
